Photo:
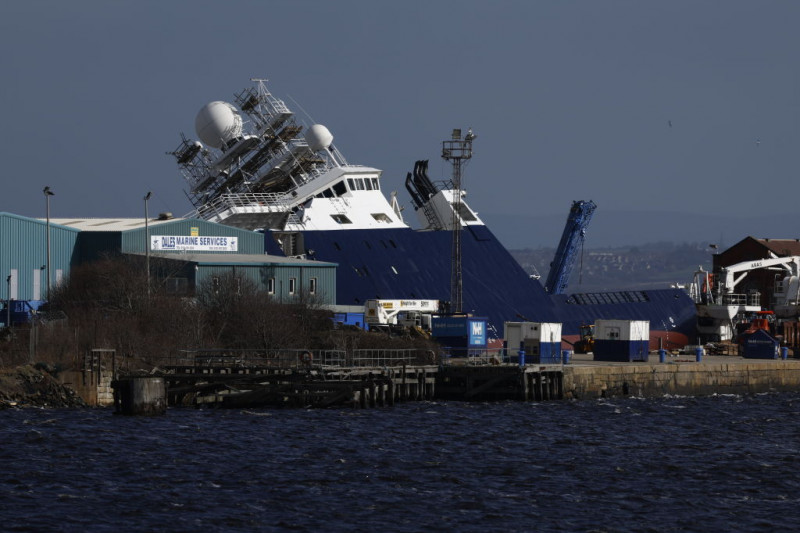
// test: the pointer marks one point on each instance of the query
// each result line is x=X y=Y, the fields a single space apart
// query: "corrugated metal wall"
x=23 y=250
x=23 y=253
x=260 y=275
x=250 y=242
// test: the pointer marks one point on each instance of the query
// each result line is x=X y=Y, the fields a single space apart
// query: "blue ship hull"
x=412 y=264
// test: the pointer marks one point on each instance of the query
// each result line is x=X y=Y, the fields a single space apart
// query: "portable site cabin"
x=621 y=340
x=540 y=340
x=464 y=335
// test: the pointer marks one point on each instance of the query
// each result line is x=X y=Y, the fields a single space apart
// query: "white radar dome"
x=318 y=137
x=218 y=123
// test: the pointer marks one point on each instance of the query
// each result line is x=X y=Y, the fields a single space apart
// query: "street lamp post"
x=8 y=302
x=47 y=194
x=147 y=239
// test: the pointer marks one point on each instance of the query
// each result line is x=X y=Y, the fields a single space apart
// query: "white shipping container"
x=622 y=330
x=519 y=332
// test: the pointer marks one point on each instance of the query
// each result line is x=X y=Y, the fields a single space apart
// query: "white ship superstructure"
x=256 y=167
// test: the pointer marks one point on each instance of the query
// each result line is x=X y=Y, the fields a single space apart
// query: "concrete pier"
x=679 y=375
x=140 y=396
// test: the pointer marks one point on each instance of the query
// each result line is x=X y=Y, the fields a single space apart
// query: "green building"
x=198 y=251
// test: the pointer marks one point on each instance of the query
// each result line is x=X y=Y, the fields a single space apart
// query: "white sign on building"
x=183 y=243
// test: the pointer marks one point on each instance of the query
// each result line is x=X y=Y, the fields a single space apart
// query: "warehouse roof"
x=110 y=224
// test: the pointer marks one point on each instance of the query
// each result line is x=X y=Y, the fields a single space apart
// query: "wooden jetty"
x=500 y=382
x=299 y=378
x=360 y=378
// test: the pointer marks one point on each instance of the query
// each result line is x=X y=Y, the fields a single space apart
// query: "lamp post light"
x=47 y=194
x=147 y=239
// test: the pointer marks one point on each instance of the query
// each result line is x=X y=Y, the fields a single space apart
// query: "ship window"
x=382 y=217
x=352 y=186
x=465 y=214
x=375 y=184
x=360 y=184
x=368 y=245
x=292 y=285
x=341 y=219
x=336 y=245
x=312 y=286
x=327 y=193
x=394 y=270
x=368 y=184
x=271 y=286
x=384 y=244
x=339 y=189
x=392 y=243
x=608 y=298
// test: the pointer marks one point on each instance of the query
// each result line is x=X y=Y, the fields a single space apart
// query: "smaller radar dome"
x=318 y=137
x=218 y=123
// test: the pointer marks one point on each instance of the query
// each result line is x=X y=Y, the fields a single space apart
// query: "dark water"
x=724 y=463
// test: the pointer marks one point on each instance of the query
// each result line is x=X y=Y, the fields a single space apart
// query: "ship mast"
x=457 y=150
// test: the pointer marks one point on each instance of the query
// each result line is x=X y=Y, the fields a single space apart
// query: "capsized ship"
x=256 y=167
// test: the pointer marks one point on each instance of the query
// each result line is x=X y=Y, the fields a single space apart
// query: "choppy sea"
x=721 y=463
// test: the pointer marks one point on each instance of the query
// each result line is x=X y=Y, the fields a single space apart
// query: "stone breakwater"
x=34 y=386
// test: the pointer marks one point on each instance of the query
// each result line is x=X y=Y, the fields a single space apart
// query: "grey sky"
x=570 y=100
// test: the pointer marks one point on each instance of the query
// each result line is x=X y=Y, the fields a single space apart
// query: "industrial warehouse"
x=34 y=250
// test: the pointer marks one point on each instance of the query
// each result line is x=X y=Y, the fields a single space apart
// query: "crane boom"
x=574 y=232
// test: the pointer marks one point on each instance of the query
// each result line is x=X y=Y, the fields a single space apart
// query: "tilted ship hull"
x=411 y=264
x=311 y=203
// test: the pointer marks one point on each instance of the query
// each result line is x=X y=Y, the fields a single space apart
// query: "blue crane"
x=574 y=232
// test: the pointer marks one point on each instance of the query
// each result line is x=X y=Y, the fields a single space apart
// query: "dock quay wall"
x=685 y=378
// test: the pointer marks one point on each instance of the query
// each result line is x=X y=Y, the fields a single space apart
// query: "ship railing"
x=753 y=299
x=268 y=201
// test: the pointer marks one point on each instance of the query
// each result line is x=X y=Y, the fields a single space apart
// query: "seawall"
x=586 y=379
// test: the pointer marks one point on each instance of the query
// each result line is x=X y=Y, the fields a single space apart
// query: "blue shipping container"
x=460 y=331
x=760 y=345
x=351 y=319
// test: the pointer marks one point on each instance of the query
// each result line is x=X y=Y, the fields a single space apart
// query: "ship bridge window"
x=382 y=217
x=375 y=184
x=341 y=219
x=327 y=193
x=339 y=188
x=368 y=184
x=465 y=214
x=356 y=184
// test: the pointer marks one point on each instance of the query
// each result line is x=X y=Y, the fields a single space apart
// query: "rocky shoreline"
x=35 y=386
